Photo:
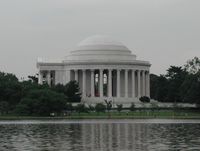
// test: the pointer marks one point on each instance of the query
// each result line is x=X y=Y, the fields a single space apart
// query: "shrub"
x=119 y=107
x=132 y=107
x=100 y=107
x=145 y=99
x=91 y=108
x=81 y=108
x=108 y=105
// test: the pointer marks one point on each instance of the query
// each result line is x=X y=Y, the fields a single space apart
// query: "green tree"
x=71 y=91
x=153 y=85
x=81 y=108
x=4 y=107
x=10 y=89
x=161 y=89
x=108 y=105
x=69 y=107
x=42 y=102
x=193 y=65
x=91 y=108
x=176 y=76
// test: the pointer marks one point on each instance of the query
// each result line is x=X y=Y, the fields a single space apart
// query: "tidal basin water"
x=100 y=135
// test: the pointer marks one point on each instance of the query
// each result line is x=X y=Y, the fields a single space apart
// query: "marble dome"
x=100 y=49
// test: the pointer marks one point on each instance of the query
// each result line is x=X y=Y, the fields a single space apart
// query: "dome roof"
x=101 y=43
x=100 y=48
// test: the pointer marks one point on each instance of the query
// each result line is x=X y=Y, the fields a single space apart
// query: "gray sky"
x=164 y=32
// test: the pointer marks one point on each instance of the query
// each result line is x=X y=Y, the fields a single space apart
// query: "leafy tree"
x=108 y=105
x=81 y=108
x=193 y=65
x=10 y=89
x=69 y=107
x=71 y=90
x=161 y=88
x=145 y=99
x=91 y=108
x=153 y=85
x=190 y=89
x=119 y=107
x=176 y=76
x=4 y=107
x=34 y=78
x=42 y=102
x=100 y=107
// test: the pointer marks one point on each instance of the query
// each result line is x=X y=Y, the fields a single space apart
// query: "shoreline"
x=2 y=118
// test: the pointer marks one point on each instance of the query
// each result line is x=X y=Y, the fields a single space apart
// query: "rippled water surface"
x=104 y=135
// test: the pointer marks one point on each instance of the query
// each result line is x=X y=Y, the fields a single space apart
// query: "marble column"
x=101 y=82
x=76 y=75
x=147 y=84
x=84 y=83
x=126 y=83
x=92 y=83
x=40 y=77
x=143 y=83
x=138 y=76
x=48 y=78
x=110 y=83
x=118 y=84
x=133 y=83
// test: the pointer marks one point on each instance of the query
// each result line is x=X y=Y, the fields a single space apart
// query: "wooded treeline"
x=179 y=84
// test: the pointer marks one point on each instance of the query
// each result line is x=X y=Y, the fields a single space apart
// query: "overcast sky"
x=164 y=32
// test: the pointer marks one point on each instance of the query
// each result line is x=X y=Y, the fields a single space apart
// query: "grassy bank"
x=114 y=115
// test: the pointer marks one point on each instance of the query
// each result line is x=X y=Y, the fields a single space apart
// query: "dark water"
x=100 y=135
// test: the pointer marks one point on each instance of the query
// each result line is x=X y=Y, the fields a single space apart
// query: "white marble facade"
x=104 y=69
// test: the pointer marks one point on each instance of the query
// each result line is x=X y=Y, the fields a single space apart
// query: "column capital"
x=101 y=70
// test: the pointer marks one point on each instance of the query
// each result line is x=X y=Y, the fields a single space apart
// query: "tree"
x=10 y=89
x=81 y=108
x=145 y=99
x=42 y=102
x=176 y=76
x=100 y=107
x=108 y=105
x=69 y=108
x=70 y=90
x=119 y=107
x=4 y=107
x=193 y=65
x=153 y=85
x=91 y=108
x=161 y=88
x=34 y=78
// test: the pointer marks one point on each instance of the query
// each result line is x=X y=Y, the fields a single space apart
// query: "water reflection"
x=100 y=136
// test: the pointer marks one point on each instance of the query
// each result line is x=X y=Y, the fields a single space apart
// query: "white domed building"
x=104 y=69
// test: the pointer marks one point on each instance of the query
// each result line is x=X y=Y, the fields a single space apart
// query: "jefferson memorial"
x=104 y=69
